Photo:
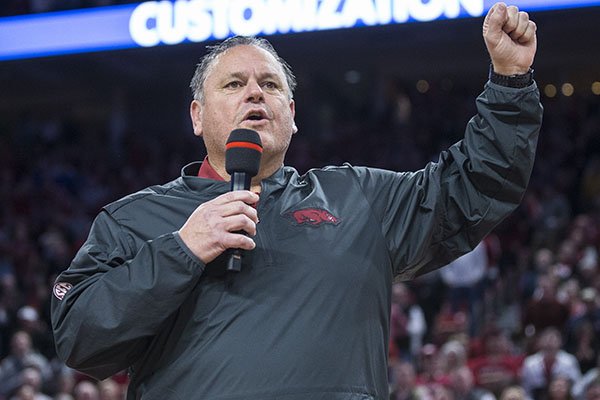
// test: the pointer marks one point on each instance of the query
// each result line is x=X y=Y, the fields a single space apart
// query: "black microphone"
x=242 y=161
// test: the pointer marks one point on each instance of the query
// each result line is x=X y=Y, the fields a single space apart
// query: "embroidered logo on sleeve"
x=312 y=217
x=61 y=288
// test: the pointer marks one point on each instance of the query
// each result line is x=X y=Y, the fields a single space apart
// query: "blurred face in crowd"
x=550 y=342
x=559 y=388
x=245 y=87
x=404 y=374
x=26 y=392
x=109 y=390
x=21 y=344
x=513 y=393
x=86 y=391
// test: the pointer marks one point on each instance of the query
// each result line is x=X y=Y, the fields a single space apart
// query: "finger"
x=239 y=207
x=522 y=24
x=237 y=241
x=237 y=223
x=494 y=21
x=246 y=196
x=512 y=19
x=242 y=242
x=529 y=34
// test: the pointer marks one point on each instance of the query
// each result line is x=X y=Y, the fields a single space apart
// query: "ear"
x=293 y=111
x=196 y=116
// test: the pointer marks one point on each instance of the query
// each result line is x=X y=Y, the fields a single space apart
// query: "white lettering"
x=473 y=7
x=171 y=21
x=153 y=22
x=309 y=20
x=328 y=17
x=425 y=12
x=245 y=17
x=139 y=22
x=220 y=8
x=355 y=10
x=200 y=21
x=284 y=15
x=384 y=11
x=400 y=11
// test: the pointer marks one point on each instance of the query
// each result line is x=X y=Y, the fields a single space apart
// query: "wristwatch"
x=512 y=81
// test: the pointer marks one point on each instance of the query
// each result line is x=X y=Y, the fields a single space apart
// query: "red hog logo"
x=313 y=217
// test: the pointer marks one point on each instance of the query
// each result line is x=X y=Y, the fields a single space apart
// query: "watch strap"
x=513 y=81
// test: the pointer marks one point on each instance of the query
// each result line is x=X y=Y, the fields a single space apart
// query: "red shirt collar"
x=208 y=172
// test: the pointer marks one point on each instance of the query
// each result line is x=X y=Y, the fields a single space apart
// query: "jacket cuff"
x=187 y=251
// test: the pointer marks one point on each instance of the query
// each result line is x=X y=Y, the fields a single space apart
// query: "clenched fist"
x=214 y=226
x=510 y=39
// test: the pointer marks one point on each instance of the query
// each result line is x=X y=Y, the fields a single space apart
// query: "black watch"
x=512 y=81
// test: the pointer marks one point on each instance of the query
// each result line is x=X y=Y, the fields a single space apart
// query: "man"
x=308 y=315
x=548 y=363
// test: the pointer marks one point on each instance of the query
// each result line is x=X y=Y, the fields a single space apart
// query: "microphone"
x=242 y=162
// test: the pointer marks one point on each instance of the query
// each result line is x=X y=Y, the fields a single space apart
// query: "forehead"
x=245 y=59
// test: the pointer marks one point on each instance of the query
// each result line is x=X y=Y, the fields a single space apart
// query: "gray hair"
x=202 y=68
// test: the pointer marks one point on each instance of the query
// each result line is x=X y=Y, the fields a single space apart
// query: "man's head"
x=243 y=83
x=550 y=341
x=207 y=62
x=20 y=344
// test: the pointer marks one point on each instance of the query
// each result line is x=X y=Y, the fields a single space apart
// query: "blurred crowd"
x=517 y=318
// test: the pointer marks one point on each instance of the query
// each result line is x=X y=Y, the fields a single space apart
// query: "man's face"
x=245 y=88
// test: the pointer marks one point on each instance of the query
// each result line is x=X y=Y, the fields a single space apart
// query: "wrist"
x=513 y=80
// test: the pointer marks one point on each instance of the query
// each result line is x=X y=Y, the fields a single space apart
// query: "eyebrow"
x=243 y=76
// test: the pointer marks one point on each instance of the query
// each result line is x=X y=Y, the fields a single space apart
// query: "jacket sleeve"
x=434 y=215
x=114 y=296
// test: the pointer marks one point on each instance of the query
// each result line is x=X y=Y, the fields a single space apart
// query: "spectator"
x=30 y=389
x=559 y=389
x=498 y=366
x=580 y=386
x=514 y=393
x=582 y=329
x=14 y=368
x=455 y=354
x=28 y=320
x=86 y=390
x=404 y=382
x=431 y=367
x=407 y=322
x=549 y=362
x=463 y=387
x=464 y=279
x=544 y=310
x=110 y=390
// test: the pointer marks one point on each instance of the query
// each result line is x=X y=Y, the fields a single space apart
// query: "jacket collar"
x=190 y=179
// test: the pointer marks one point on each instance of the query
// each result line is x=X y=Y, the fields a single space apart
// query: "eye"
x=234 y=85
x=270 y=85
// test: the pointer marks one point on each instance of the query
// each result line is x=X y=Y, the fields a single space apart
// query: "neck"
x=266 y=169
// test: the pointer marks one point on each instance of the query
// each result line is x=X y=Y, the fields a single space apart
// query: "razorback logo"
x=313 y=217
x=61 y=288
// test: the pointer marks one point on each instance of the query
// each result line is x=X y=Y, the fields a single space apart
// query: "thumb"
x=493 y=23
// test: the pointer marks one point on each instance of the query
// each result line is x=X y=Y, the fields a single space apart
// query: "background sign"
x=155 y=23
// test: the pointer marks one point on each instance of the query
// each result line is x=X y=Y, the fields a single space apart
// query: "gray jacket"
x=308 y=316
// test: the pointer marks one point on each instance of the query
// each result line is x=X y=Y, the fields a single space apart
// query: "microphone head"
x=243 y=151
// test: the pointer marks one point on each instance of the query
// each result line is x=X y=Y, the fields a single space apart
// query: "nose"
x=254 y=92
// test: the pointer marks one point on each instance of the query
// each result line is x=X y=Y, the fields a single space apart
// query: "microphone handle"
x=239 y=181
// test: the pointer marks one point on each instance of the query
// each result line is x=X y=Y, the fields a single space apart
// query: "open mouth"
x=256 y=116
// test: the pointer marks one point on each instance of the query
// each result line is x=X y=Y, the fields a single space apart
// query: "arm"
x=119 y=296
x=121 y=289
x=432 y=216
